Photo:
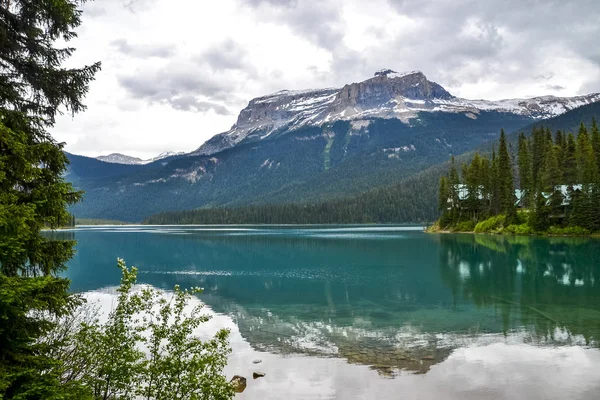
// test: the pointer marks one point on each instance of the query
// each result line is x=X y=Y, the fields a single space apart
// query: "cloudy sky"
x=176 y=72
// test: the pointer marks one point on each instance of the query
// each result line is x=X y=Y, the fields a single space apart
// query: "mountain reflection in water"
x=386 y=297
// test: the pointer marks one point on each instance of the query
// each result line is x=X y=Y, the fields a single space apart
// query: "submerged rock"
x=239 y=383
x=256 y=375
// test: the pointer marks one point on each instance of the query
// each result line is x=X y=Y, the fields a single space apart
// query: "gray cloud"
x=318 y=22
x=96 y=9
x=227 y=55
x=522 y=34
x=472 y=47
x=554 y=87
x=190 y=103
x=181 y=85
x=143 y=50
x=455 y=42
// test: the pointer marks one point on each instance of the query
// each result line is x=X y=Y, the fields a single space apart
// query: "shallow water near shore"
x=361 y=312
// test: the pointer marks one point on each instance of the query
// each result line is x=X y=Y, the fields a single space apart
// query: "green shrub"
x=569 y=231
x=491 y=225
x=522 y=217
x=464 y=226
x=521 y=229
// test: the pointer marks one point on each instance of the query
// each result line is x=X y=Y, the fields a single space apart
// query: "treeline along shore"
x=550 y=184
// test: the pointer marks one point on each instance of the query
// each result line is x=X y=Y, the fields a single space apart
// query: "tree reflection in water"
x=550 y=284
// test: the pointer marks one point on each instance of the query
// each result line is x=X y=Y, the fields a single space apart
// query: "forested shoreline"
x=408 y=201
x=549 y=185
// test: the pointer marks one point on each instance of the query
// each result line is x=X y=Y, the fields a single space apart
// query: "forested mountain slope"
x=412 y=200
x=311 y=146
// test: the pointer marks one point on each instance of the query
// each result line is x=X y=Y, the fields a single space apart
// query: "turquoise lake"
x=375 y=312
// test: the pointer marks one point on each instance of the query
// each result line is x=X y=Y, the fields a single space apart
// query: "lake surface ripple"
x=364 y=312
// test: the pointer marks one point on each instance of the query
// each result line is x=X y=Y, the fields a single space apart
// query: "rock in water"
x=257 y=361
x=238 y=383
x=256 y=375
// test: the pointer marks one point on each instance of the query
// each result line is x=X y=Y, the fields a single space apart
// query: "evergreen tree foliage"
x=525 y=171
x=586 y=161
x=33 y=195
x=563 y=192
x=569 y=165
x=551 y=175
x=444 y=194
x=596 y=141
x=33 y=80
x=559 y=147
x=538 y=146
x=505 y=178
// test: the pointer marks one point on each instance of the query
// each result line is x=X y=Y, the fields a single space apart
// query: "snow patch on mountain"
x=388 y=94
x=118 y=158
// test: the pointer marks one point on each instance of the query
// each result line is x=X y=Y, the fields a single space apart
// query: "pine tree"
x=33 y=80
x=596 y=141
x=559 y=139
x=539 y=218
x=33 y=193
x=559 y=152
x=495 y=193
x=586 y=159
x=486 y=182
x=444 y=194
x=525 y=171
x=551 y=173
x=474 y=181
x=454 y=184
x=569 y=165
x=505 y=178
x=537 y=150
x=443 y=197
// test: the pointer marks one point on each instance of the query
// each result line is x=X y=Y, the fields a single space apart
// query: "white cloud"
x=174 y=73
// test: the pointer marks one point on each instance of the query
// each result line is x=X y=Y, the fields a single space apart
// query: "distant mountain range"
x=118 y=158
x=295 y=146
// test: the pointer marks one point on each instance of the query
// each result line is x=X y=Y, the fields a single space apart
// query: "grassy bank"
x=499 y=225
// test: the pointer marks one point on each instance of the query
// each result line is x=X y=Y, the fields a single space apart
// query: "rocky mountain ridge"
x=118 y=158
x=386 y=95
x=313 y=146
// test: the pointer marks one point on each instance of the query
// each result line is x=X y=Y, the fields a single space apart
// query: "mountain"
x=314 y=145
x=414 y=199
x=118 y=158
x=83 y=171
x=387 y=95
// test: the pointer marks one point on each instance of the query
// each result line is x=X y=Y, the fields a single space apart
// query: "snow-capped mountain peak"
x=118 y=158
x=388 y=94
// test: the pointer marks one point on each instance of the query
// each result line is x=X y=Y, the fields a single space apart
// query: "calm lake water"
x=375 y=312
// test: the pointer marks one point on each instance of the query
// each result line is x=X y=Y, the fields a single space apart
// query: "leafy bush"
x=521 y=229
x=491 y=225
x=146 y=349
x=465 y=226
x=568 y=231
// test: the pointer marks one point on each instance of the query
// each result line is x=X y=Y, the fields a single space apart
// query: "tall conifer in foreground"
x=33 y=193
